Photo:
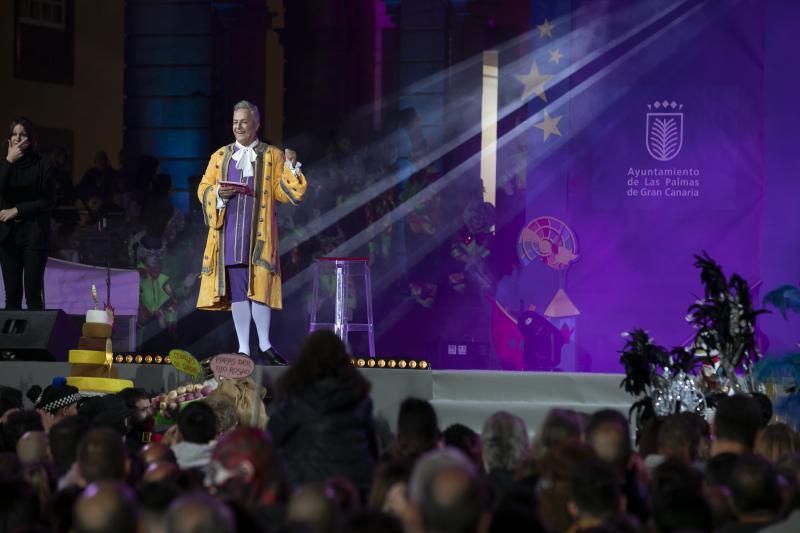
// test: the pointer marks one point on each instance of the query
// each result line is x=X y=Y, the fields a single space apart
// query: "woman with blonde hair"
x=247 y=398
x=775 y=441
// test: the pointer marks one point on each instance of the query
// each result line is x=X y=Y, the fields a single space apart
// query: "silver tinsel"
x=678 y=393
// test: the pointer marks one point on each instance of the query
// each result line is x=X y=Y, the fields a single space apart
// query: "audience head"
x=647 y=436
x=105 y=507
x=64 y=437
x=109 y=411
x=595 y=492
x=559 y=425
x=17 y=424
x=138 y=401
x=417 y=429
x=224 y=410
x=156 y=452
x=679 y=503
x=200 y=513
x=389 y=491
x=160 y=471
x=315 y=506
x=242 y=393
x=463 y=438
x=718 y=473
x=755 y=489
x=703 y=430
x=57 y=398
x=102 y=456
x=28 y=130
x=323 y=355
x=505 y=441
x=775 y=441
x=33 y=448
x=447 y=493
x=608 y=434
x=558 y=466
x=788 y=467
x=678 y=438
x=10 y=398
x=736 y=423
x=245 y=466
x=197 y=423
x=154 y=501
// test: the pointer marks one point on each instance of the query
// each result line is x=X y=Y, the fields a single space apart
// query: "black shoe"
x=256 y=358
x=271 y=357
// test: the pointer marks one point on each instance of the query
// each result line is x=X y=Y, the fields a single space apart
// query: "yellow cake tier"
x=87 y=357
x=107 y=385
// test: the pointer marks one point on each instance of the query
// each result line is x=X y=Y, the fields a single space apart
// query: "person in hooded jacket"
x=323 y=423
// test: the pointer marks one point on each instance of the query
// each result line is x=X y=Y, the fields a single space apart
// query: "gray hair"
x=253 y=108
x=199 y=512
x=225 y=409
x=433 y=463
x=505 y=441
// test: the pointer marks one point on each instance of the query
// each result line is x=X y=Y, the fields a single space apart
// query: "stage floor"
x=464 y=396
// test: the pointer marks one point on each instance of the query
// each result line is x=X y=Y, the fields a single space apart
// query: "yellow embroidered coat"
x=273 y=181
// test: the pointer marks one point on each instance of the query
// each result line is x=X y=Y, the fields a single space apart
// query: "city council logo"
x=664 y=134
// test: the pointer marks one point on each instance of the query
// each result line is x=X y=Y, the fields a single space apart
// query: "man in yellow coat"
x=241 y=266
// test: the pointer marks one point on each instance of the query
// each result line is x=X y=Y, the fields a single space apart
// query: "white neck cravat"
x=245 y=156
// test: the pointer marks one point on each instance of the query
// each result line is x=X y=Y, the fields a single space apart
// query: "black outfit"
x=26 y=184
x=326 y=431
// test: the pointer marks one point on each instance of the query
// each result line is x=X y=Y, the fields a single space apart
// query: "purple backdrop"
x=637 y=233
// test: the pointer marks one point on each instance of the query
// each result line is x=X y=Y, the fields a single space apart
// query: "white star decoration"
x=555 y=56
x=534 y=83
x=546 y=29
x=549 y=125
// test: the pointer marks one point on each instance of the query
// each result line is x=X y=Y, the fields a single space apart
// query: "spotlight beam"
x=402 y=210
x=329 y=218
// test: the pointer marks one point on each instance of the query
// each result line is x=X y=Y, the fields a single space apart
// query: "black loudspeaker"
x=37 y=335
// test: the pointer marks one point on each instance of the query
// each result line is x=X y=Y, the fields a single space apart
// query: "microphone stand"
x=102 y=225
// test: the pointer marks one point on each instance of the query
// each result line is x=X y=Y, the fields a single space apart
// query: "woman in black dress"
x=26 y=199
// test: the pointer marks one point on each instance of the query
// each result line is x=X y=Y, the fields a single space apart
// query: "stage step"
x=470 y=397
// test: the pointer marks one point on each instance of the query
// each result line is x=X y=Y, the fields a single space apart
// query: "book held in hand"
x=241 y=188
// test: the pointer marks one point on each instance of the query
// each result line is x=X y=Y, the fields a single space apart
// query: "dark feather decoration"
x=682 y=360
x=641 y=358
x=724 y=319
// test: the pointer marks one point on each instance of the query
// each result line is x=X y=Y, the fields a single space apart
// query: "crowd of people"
x=310 y=454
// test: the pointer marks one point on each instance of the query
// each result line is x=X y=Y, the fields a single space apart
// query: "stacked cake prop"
x=91 y=363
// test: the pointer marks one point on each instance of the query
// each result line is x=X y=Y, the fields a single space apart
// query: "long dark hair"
x=30 y=131
x=323 y=355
